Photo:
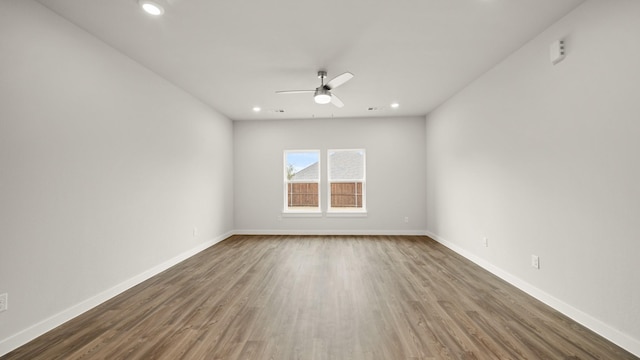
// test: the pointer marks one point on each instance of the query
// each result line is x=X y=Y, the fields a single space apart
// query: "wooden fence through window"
x=343 y=194
x=302 y=195
x=346 y=194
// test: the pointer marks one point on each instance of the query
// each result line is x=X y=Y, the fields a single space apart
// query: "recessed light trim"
x=151 y=7
x=395 y=105
x=256 y=109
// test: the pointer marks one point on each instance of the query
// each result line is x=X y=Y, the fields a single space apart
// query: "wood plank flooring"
x=322 y=297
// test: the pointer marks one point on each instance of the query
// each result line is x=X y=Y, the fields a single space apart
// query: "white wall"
x=105 y=168
x=395 y=156
x=544 y=160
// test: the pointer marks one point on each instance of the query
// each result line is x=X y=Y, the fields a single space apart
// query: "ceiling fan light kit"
x=322 y=94
x=151 y=7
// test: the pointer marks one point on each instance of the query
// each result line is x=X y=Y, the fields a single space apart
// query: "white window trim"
x=346 y=212
x=301 y=212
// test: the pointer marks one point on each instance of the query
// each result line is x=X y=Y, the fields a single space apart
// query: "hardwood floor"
x=322 y=297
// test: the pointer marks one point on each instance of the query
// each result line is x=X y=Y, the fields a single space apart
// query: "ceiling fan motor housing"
x=322 y=94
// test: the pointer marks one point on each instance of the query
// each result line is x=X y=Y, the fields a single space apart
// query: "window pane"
x=302 y=179
x=346 y=164
x=303 y=195
x=302 y=165
x=346 y=179
x=346 y=194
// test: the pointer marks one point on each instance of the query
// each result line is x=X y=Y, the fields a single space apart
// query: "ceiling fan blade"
x=339 y=80
x=335 y=101
x=295 y=91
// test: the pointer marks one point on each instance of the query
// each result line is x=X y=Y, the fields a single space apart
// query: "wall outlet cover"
x=4 y=301
x=535 y=261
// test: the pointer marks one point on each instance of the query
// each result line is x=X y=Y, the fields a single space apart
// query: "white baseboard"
x=619 y=338
x=13 y=342
x=332 y=232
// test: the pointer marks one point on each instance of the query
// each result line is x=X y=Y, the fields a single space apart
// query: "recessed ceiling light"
x=256 y=109
x=395 y=105
x=151 y=7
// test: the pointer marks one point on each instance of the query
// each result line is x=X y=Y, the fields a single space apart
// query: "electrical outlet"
x=535 y=261
x=406 y=219
x=485 y=241
x=4 y=301
x=195 y=232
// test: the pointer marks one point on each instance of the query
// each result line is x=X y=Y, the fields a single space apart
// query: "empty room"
x=419 y=179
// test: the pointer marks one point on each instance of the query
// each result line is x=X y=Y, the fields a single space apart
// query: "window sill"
x=301 y=214
x=347 y=213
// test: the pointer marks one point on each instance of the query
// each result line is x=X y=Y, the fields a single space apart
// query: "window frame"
x=347 y=211
x=301 y=211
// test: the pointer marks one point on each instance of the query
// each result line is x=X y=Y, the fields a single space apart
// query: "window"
x=302 y=181
x=346 y=175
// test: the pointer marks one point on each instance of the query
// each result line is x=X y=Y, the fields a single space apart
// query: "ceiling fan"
x=322 y=94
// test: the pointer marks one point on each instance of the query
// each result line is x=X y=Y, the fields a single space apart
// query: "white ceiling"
x=235 y=54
